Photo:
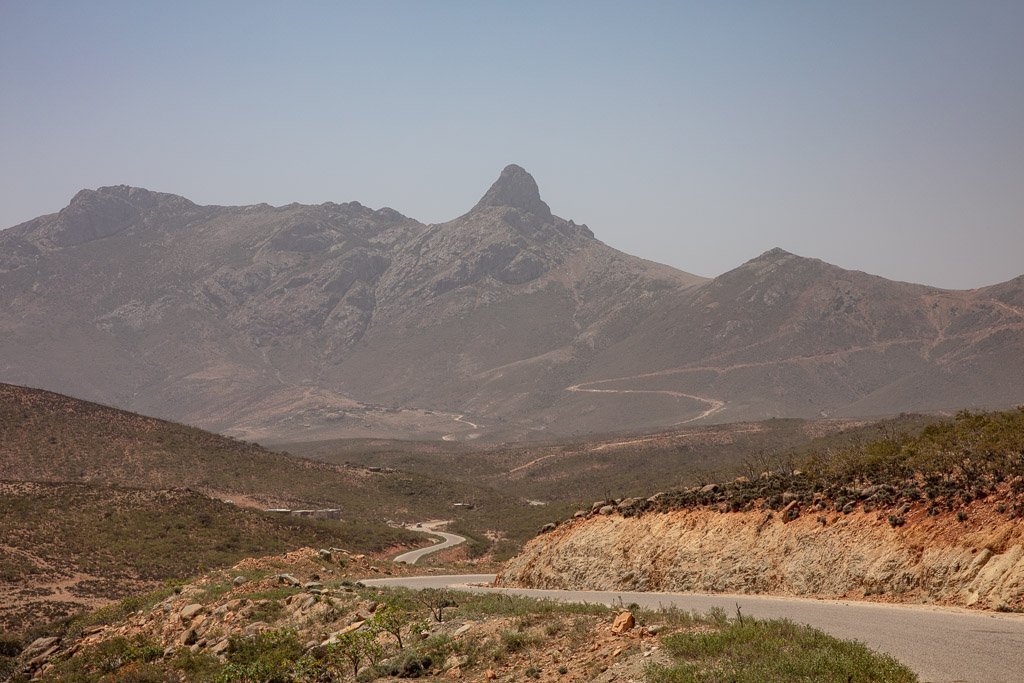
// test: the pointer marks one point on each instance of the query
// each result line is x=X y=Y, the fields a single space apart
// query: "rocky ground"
x=301 y=612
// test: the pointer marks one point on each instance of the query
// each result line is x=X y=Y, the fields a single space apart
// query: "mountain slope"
x=304 y=322
x=783 y=335
x=51 y=438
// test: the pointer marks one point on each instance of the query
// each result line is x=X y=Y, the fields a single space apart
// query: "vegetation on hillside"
x=752 y=651
x=49 y=437
x=87 y=542
x=944 y=466
x=249 y=624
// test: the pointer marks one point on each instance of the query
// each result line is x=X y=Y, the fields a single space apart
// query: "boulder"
x=289 y=580
x=39 y=646
x=623 y=623
x=189 y=611
x=255 y=628
x=607 y=510
x=354 y=626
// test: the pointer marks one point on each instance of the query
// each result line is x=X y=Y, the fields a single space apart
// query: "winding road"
x=714 y=405
x=942 y=645
x=449 y=541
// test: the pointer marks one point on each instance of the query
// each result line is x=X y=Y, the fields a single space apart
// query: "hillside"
x=611 y=465
x=69 y=547
x=49 y=437
x=297 y=323
x=304 y=617
x=934 y=517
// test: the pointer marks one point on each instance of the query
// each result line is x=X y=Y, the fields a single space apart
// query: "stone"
x=354 y=626
x=655 y=629
x=579 y=513
x=238 y=580
x=38 y=646
x=324 y=554
x=255 y=628
x=288 y=580
x=550 y=526
x=623 y=623
x=463 y=630
x=709 y=488
x=490 y=675
x=455 y=661
x=189 y=611
x=607 y=510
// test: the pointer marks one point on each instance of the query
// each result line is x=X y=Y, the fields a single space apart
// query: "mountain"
x=304 y=322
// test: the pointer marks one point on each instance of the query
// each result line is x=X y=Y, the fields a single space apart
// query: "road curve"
x=450 y=540
x=942 y=645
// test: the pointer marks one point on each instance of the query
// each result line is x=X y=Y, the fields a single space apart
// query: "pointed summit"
x=517 y=189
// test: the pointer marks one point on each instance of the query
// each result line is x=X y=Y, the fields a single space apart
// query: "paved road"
x=449 y=541
x=940 y=644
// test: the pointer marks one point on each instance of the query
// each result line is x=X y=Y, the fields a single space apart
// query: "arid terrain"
x=931 y=518
x=494 y=374
x=303 y=616
x=313 y=322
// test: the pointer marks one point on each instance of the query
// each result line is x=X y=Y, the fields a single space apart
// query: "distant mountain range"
x=303 y=322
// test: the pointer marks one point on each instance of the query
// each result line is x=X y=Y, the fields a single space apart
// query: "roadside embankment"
x=973 y=557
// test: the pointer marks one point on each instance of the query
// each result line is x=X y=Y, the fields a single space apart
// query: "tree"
x=356 y=646
x=436 y=600
x=390 y=618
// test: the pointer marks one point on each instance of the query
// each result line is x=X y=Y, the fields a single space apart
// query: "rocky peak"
x=517 y=189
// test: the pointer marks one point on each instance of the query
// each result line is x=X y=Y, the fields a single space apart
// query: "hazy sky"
x=883 y=136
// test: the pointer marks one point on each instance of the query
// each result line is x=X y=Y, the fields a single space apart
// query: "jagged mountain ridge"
x=298 y=322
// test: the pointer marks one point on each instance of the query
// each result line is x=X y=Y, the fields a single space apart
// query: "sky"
x=880 y=136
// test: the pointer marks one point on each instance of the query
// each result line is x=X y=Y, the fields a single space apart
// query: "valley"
x=565 y=417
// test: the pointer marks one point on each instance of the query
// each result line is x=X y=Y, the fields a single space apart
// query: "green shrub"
x=755 y=651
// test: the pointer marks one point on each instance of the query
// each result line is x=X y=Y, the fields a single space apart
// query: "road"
x=450 y=540
x=940 y=644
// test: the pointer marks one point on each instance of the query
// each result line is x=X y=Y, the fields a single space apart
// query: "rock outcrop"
x=974 y=558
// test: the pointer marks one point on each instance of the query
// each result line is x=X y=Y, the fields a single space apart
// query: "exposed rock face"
x=979 y=562
x=302 y=322
x=517 y=189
